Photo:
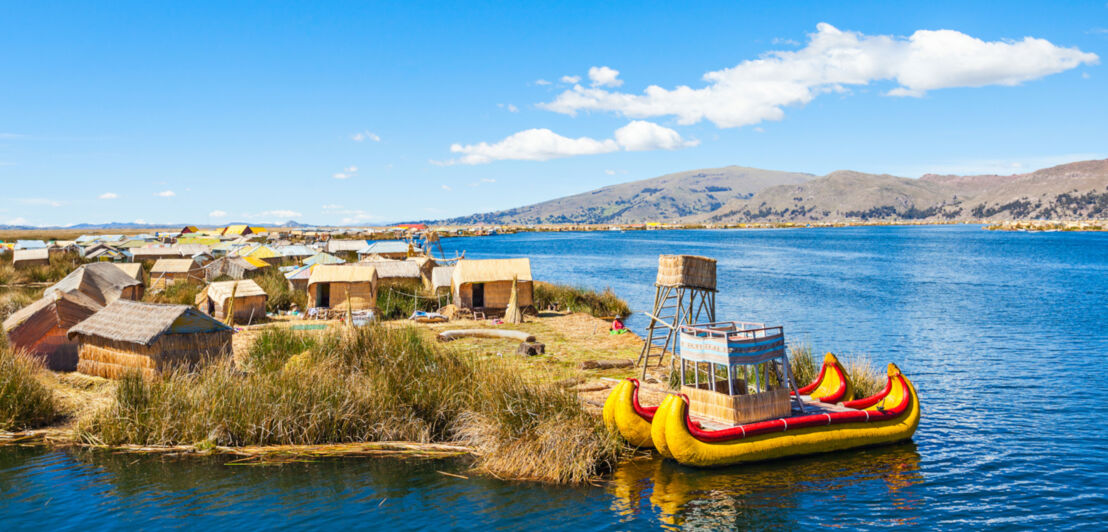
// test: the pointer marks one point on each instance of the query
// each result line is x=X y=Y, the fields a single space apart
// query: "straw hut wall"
x=39 y=329
x=29 y=258
x=402 y=274
x=168 y=271
x=440 y=279
x=343 y=286
x=487 y=284
x=147 y=337
x=250 y=300
x=133 y=270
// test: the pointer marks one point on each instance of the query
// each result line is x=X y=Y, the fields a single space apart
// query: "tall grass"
x=866 y=379
x=25 y=402
x=178 y=293
x=281 y=296
x=13 y=300
x=600 y=304
x=374 y=383
x=803 y=364
x=395 y=301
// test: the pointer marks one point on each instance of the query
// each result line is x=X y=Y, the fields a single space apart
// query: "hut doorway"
x=478 y=295
x=323 y=295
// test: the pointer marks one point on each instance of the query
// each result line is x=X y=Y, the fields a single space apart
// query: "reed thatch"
x=512 y=314
x=343 y=286
x=493 y=279
x=149 y=337
x=168 y=271
x=686 y=270
x=29 y=258
x=104 y=282
x=245 y=299
x=39 y=329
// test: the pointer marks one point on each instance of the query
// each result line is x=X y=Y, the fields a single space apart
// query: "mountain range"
x=737 y=194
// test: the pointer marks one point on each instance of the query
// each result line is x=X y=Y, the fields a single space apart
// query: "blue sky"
x=347 y=113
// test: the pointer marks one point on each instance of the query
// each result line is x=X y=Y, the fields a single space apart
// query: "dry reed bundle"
x=686 y=270
x=512 y=314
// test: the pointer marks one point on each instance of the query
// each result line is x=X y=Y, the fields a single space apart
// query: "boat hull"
x=890 y=417
x=625 y=416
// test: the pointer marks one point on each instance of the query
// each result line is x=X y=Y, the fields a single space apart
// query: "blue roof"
x=322 y=258
x=29 y=244
x=296 y=251
x=385 y=246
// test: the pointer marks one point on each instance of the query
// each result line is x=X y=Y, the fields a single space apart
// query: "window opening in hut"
x=478 y=295
x=323 y=296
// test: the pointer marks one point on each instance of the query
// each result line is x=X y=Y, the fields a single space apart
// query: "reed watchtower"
x=684 y=291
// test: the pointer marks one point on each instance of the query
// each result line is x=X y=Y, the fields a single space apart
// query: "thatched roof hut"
x=155 y=253
x=441 y=277
x=323 y=258
x=395 y=272
x=249 y=300
x=104 y=282
x=29 y=258
x=389 y=249
x=39 y=329
x=147 y=337
x=343 y=286
x=168 y=271
x=298 y=277
x=133 y=270
x=487 y=284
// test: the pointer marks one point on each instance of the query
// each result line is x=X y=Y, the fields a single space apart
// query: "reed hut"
x=39 y=329
x=104 y=282
x=147 y=337
x=440 y=279
x=155 y=253
x=323 y=258
x=133 y=270
x=486 y=285
x=249 y=300
x=388 y=249
x=234 y=267
x=396 y=273
x=298 y=278
x=168 y=271
x=343 y=286
x=103 y=253
x=30 y=258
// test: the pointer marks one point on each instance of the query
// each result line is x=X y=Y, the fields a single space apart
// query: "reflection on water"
x=767 y=495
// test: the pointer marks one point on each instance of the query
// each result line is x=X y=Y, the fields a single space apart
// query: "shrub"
x=803 y=363
x=25 y=402
x=603 y=304
x=281 y=296
x=178 y=293
x=395 y=301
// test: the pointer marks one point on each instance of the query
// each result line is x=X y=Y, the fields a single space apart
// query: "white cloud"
x=758 y=90
x=17 y=221
x=43 y=202
x=789 y=42
x=544 y=144
x=541 y=82
x=641 y=135
x=217 y=214
x=530 y=145
x=610 y=172
x=340 y=175
x=512 y=108
x=446 y=187
x=273 y=216
x=331 y=207
x=365 y=135
x=108 y=195
x=351 y=169
x=355 y=217
x=166 y=194
x=487 y=180
x=346 y=173
x=604 y=77
x=571 y=79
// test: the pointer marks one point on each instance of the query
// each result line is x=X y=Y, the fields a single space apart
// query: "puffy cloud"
x=604 y=77
x=108 y=195
x=530 y=145
x=641 y=135
x=217 y=214
x=365 y=135
x=544 y=144
x=166 y=194
x=346 y=173
x=570 y=79
x=758 y=90
x=44 y=202
x=541 y=82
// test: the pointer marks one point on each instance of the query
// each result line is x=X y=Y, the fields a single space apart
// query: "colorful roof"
x=256 y=262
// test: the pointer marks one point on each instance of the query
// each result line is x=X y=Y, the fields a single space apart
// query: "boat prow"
x=831 y=385
x=624 y=415
x=890 y=416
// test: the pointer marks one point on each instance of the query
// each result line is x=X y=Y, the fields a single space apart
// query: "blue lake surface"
x=1004 y=334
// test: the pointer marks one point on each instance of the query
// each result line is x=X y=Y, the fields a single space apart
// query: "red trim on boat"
x=645 y=412
x=839 y=393
x=811 y=387
x=867 y=402
x=814 y=420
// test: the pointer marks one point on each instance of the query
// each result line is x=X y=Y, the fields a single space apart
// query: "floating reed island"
x=276 y=346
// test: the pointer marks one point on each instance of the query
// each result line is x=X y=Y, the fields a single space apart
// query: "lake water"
x=1004 y=334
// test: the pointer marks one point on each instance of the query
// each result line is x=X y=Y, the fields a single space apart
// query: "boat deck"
x=811 y=406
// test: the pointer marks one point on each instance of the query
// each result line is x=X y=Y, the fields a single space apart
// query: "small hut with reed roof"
x=104 y=282
x=39 y=329
x=234 y=267
x=29 y=258
x=133 y=270
x=147 y=337
x=486 y=285
x=168 y=271
x=343 y=286
x=249 y=300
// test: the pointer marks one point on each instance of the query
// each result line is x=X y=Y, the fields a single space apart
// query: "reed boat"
x=717 y=423
x=890 y=416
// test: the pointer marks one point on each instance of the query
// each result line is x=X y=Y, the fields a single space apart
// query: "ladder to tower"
x=671 y=310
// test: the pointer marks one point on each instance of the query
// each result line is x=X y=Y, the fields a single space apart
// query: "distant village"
x=144 y=301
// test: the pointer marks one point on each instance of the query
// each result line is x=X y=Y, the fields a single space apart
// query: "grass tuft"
x=867 y=379
x=603 y=304
x=25 y=402
x=803 y=363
